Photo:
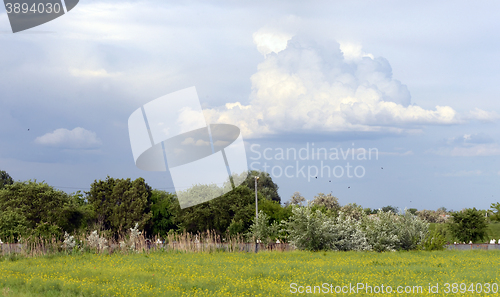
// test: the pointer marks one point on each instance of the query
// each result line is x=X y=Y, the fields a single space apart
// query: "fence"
x=473 y=246
x=10 y=248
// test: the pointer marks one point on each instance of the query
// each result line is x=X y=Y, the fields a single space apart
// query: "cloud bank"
x=313 y=88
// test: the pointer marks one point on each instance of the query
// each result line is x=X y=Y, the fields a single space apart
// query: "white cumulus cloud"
x=311 y=88
x=78 y=138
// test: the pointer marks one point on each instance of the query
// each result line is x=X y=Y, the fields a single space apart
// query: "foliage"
x=468 y=225
x=352 y=210
x=369 y=211
x=163 y=212
x=234 y=207
x=381 y=231
x=265 y=185
x=329 y=201
x=69 y=242
x=347 y=234
x=412 y=231
x=413 y=211
x=297 y=199
x=5 y=179
x=96 y=242
x=236 y=227
x=262 y=230
x=274 y=210
x=435 y=240
x=12 y=225
x=119 y=203
x=308 y=229
x=388 y=231
x=38 y=209
x=391 y=208
x=495 y=207
x=432 y=216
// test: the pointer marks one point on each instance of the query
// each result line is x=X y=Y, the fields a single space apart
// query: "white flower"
x=123 y=244
x=69 y=241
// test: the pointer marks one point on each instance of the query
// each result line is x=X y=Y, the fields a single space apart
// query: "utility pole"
x=256 y=210
x=256 y=202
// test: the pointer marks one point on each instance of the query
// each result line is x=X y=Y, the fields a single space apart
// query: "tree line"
x=113 y=206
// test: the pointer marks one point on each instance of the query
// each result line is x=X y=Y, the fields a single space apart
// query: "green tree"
x=263 y=229
x=234 y=207
x=265 y=185
x=495 y=207
x=390 y=208
x=163 y=211
x=5 y=179
x=274 y=210
x=413 y=211
x=120 y=203
x=468 y=225
x=38 y=208
x=12 y=225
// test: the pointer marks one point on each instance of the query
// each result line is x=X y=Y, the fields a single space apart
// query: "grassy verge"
x=241 y=274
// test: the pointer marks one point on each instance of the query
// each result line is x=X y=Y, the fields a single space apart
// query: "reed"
x=99 y=242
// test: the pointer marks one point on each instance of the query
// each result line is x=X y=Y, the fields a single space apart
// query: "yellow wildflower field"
x=418 y=273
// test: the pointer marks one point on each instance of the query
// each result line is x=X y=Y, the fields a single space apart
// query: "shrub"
x=435 y=241
x=412 y=231
x=308 y=230
x=382 y=231
x=262 y=230
x=468 y=225
x=314 y=230
x=347 y=234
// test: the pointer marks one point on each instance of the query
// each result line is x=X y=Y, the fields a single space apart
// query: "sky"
x=378 y=103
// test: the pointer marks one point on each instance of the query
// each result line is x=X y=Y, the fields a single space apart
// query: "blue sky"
x=417 y=81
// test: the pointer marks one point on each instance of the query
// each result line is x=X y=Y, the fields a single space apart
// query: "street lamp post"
x=256 y=209
x=256 y=202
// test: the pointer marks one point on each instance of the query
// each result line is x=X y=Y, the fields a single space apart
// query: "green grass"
x=241 y=274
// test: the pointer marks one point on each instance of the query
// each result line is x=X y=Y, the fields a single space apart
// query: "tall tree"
x=120 y=203
x=234 y=207
x=468 y=225
x=391 y=208
x=5 y=179
x=164 y=212
x=265 y=185
x=37 y=208
x=496 y=211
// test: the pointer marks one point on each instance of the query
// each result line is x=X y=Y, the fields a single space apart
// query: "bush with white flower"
x=96 y=242
x=69 y=241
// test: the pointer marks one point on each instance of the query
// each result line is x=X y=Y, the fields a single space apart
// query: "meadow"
x=249 y=274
